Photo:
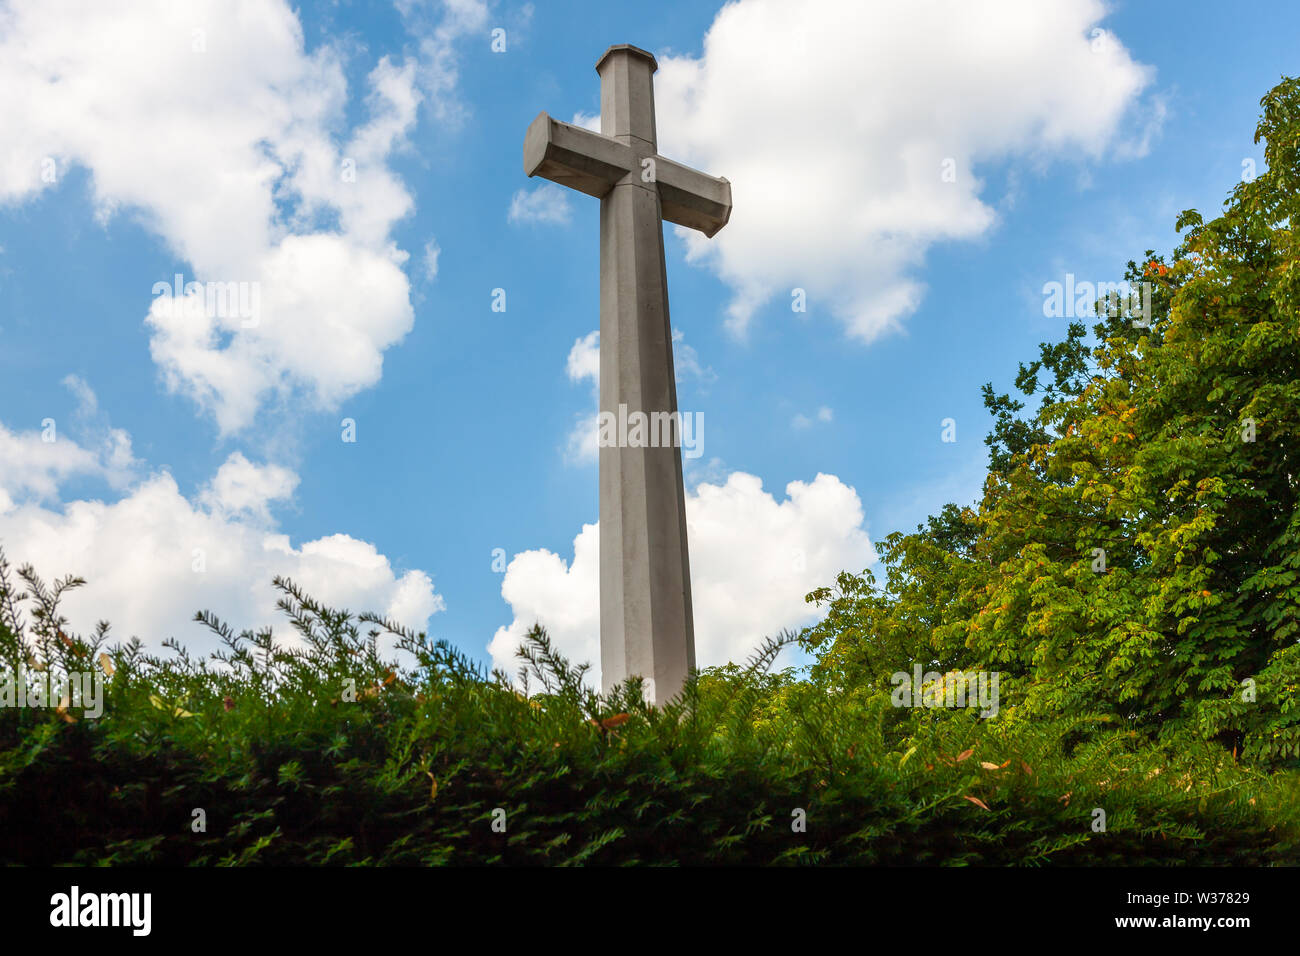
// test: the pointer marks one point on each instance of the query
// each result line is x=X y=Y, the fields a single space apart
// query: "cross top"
x=627 y=94
x=626 y=148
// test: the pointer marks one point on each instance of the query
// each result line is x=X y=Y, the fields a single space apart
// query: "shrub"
x=264 y=739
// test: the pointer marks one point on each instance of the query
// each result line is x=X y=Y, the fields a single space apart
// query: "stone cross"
x=646 y=625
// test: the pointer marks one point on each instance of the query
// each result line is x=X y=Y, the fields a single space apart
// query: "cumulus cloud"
x=581 y=446
x=154 y=557
x=753 y=559
x=547 y=203
x=240 y=486
x=36 y=463
x=583 y=363
x=232 y=146
x=851 y=132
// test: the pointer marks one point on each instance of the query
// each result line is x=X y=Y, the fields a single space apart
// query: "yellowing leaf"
x=965 y=754
x=989 y=766
x=157 y=702
x=62 y=709
x=106 y=665
x=909 y=753
x=978 y=802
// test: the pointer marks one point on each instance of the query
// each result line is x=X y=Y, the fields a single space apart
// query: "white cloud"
x=240 y=486
x=153 y=557
x=431 y=253
x=686 y=363
x=802 y=421
x=753 y=559
x=833 y=120
x=113 y=445
x=33 y=466
x=329 y=309
x=438 y=28
x=547 y=203
x=582 y=444
x=211 y=124
x=583 y=363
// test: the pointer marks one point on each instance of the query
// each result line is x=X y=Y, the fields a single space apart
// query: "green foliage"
x=1175 y=450
x=263 y=739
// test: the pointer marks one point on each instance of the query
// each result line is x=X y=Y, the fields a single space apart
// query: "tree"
x=1136 y=554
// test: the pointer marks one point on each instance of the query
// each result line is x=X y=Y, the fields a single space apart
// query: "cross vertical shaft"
x=646 y=621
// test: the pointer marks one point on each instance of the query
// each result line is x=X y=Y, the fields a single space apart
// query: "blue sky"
x=211 y=141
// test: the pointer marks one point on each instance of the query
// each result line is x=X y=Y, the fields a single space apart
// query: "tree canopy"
x=1135 y=554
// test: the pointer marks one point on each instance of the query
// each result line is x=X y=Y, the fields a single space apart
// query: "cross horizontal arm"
x=691 y=198
x=575 y=157
x=593 y=163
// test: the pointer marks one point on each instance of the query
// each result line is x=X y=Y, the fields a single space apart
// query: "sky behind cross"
x=919 y=171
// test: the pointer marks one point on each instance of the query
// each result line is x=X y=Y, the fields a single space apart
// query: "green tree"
x=1135 y=557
